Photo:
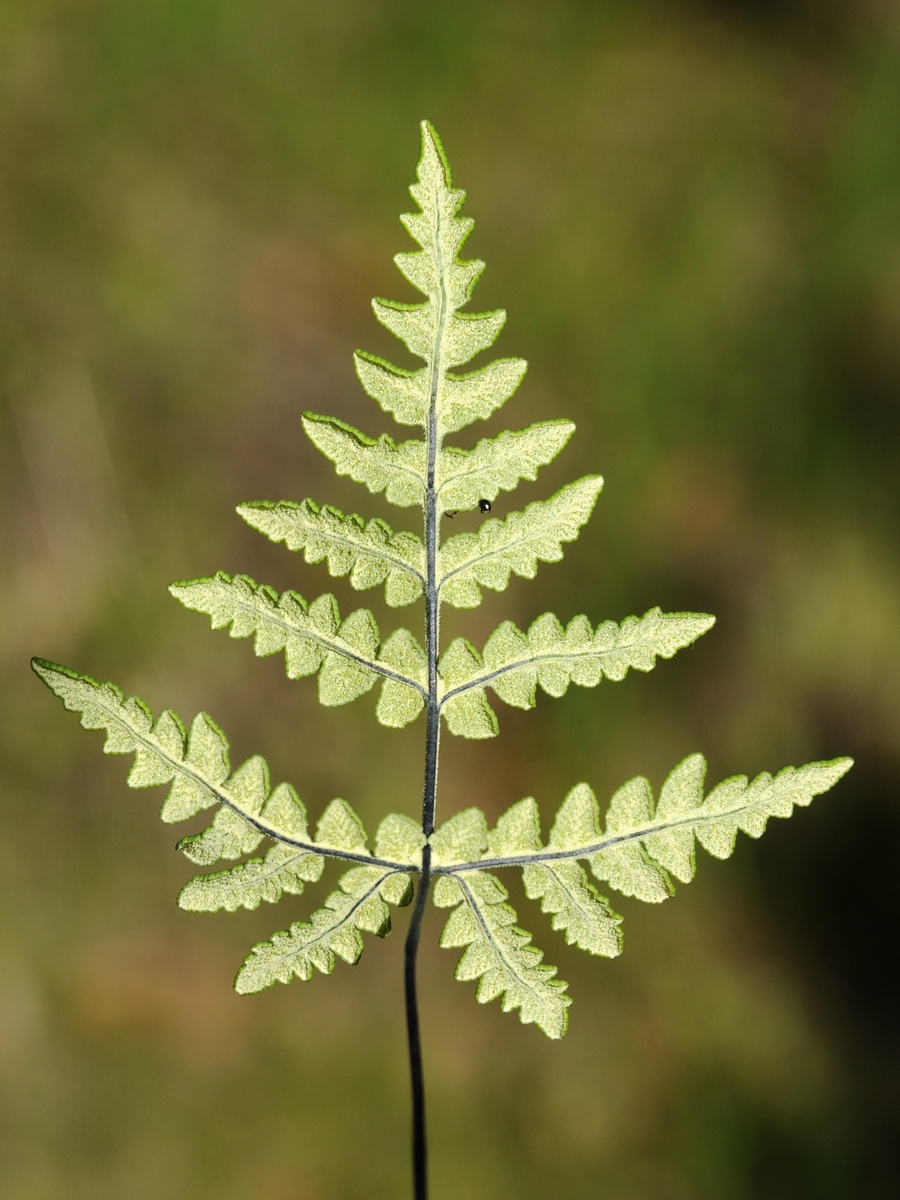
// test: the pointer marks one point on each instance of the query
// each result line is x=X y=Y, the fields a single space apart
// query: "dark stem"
x=419 y=1144
x=432 y=749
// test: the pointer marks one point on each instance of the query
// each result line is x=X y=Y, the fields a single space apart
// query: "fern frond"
x=463 y=477
x=370 y=553
x=380 y=463
x=436 y=331
x=514 y=545
x=283 y=869
x=359 y=905
x=498 y=952
x=197 y=766
x=643 y=843
x=514 y=663
x=347 y=655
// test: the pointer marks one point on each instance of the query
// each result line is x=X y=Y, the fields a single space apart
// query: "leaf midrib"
x=360 y=546
x=336 y=645
x=519 y=664
x=496 y=944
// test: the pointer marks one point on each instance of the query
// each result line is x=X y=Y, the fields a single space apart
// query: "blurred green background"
x=690 y=211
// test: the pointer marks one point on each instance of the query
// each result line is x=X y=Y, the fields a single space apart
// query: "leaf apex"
x=840 y=766
x=43 y=667
x=430 y=139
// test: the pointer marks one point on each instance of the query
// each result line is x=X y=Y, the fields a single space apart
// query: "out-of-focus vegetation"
x=691 y=212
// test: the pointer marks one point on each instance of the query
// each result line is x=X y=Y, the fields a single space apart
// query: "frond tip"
x=435 y=330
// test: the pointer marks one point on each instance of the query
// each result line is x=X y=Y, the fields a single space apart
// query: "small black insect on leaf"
x=483 y=506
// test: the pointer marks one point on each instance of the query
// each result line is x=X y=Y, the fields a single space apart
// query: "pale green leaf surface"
x=468 y=714
x=359 y=905
x=400 y=839
x=405 y=395
x=500 y=955
x=467 y=334
x=339 y=828
x=477 y=395
x=414 y=324
x=518 y=831
x=514 y=663
x=345 y=654
x=627 y=866
x=370 y=553
x=578 y=909
x=398 y=704
x=461 y=839
x=283 y=869
x=463 y=477
x=230 y=836
x=562 y=887
x=514 y=545
x=379 y=463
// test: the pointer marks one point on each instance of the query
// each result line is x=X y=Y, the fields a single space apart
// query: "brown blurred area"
x=690 y=211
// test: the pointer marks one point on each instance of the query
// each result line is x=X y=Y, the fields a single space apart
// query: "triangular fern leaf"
x=464 y=477
x=380 y=463
x=499 y=954
x=370 y=553
x=360 y=905
x=345 y=654
x=514 y=663
x=514 y=545
x=435 y=330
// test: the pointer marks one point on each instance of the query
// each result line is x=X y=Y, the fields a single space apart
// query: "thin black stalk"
x=419 y=1143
